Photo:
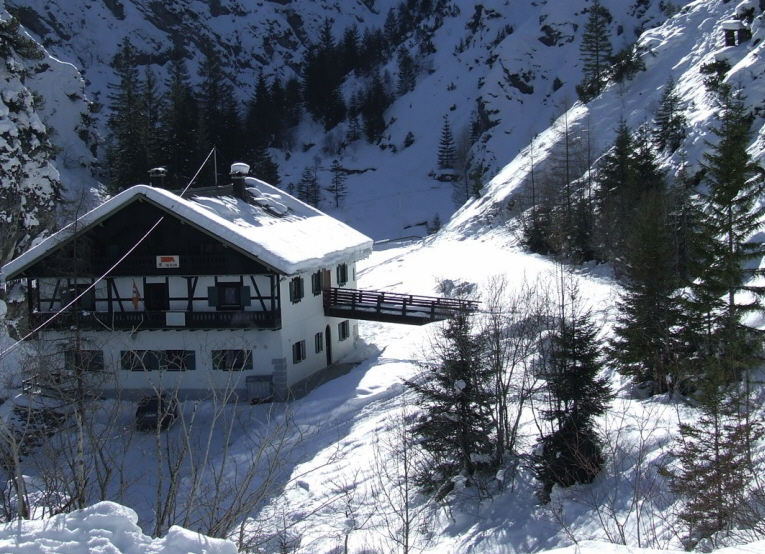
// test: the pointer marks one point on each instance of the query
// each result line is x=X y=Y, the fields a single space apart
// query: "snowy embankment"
x=105 y=527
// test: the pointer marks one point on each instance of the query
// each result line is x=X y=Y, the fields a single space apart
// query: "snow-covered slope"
x=104 y=527
x=679 y=47
x=331 y=491
x=512 y=65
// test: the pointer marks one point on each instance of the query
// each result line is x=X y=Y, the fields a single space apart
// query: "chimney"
x=238 y=173
x=157 y=177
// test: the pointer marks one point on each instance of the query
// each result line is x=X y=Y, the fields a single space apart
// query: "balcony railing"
x=160 y=320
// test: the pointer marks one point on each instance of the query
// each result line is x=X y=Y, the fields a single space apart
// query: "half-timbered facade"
x=218 y=293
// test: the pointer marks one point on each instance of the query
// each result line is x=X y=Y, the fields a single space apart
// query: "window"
x=316 y=283
x=84 y=360
x=232 y=360
x=343 y=330
x=154 y=360
x=85 y=302
x=296 y=289
x=342 y=274
x=140 y=360
x=228 y=296
x=179 y=360
x=318 y=340
x=156 y=297
x=298 y=352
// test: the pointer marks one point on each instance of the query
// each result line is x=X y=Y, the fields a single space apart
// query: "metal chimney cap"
x=240 y=169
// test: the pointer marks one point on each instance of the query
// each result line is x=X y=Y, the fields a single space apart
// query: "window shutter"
x=301 y=286
x=244 y=296
x=212 y=296
x=292 y=290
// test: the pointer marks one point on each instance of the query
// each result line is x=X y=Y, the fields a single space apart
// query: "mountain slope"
x=513 y=67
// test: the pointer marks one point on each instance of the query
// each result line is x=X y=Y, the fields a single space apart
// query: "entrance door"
x=328 y=345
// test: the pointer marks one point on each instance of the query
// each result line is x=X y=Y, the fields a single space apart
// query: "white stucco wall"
x=272 y=350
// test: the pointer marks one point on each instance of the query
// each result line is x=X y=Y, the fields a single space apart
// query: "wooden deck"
x=391 y=307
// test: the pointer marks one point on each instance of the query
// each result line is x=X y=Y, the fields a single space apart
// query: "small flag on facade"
x=136 y=295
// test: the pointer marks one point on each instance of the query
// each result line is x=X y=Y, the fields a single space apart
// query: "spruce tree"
x=264 y=167
x=220 y=121
x=721 y=295
x=595 y=52
x=308 y=189
x=669 y=119
x=647 y=344
x=259 y=128
x=406 y=72
x=375 y=100
x=321 y=80
x=337 y=188
x=447 y=149
x=571 y=452
x=151 y=108
x=125 y=151
x=716 y=469
x=455 y=394
x=615 y=193
x=179 y=122
x=349 y=48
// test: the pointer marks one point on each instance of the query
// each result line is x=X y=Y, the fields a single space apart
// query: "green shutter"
x=244 y=296
x=212 y=296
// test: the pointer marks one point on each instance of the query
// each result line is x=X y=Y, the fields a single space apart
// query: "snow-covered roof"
x=275 y=228
x=733 y=25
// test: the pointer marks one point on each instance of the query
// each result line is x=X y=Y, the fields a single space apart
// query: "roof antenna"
x=215 y=165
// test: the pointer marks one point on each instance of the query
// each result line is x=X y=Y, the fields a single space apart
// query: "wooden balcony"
x=160 y=320
x=390 y=307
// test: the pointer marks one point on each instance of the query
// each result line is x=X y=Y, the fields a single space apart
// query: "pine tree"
x=571 y=452
x=454 y=392
x=733 y=216
x=126 y=153
x=447 y=149
x=595 y=52
x=337 y=189
x=669 y=119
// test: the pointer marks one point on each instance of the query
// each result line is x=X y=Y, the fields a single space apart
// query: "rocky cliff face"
x=36 y=91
